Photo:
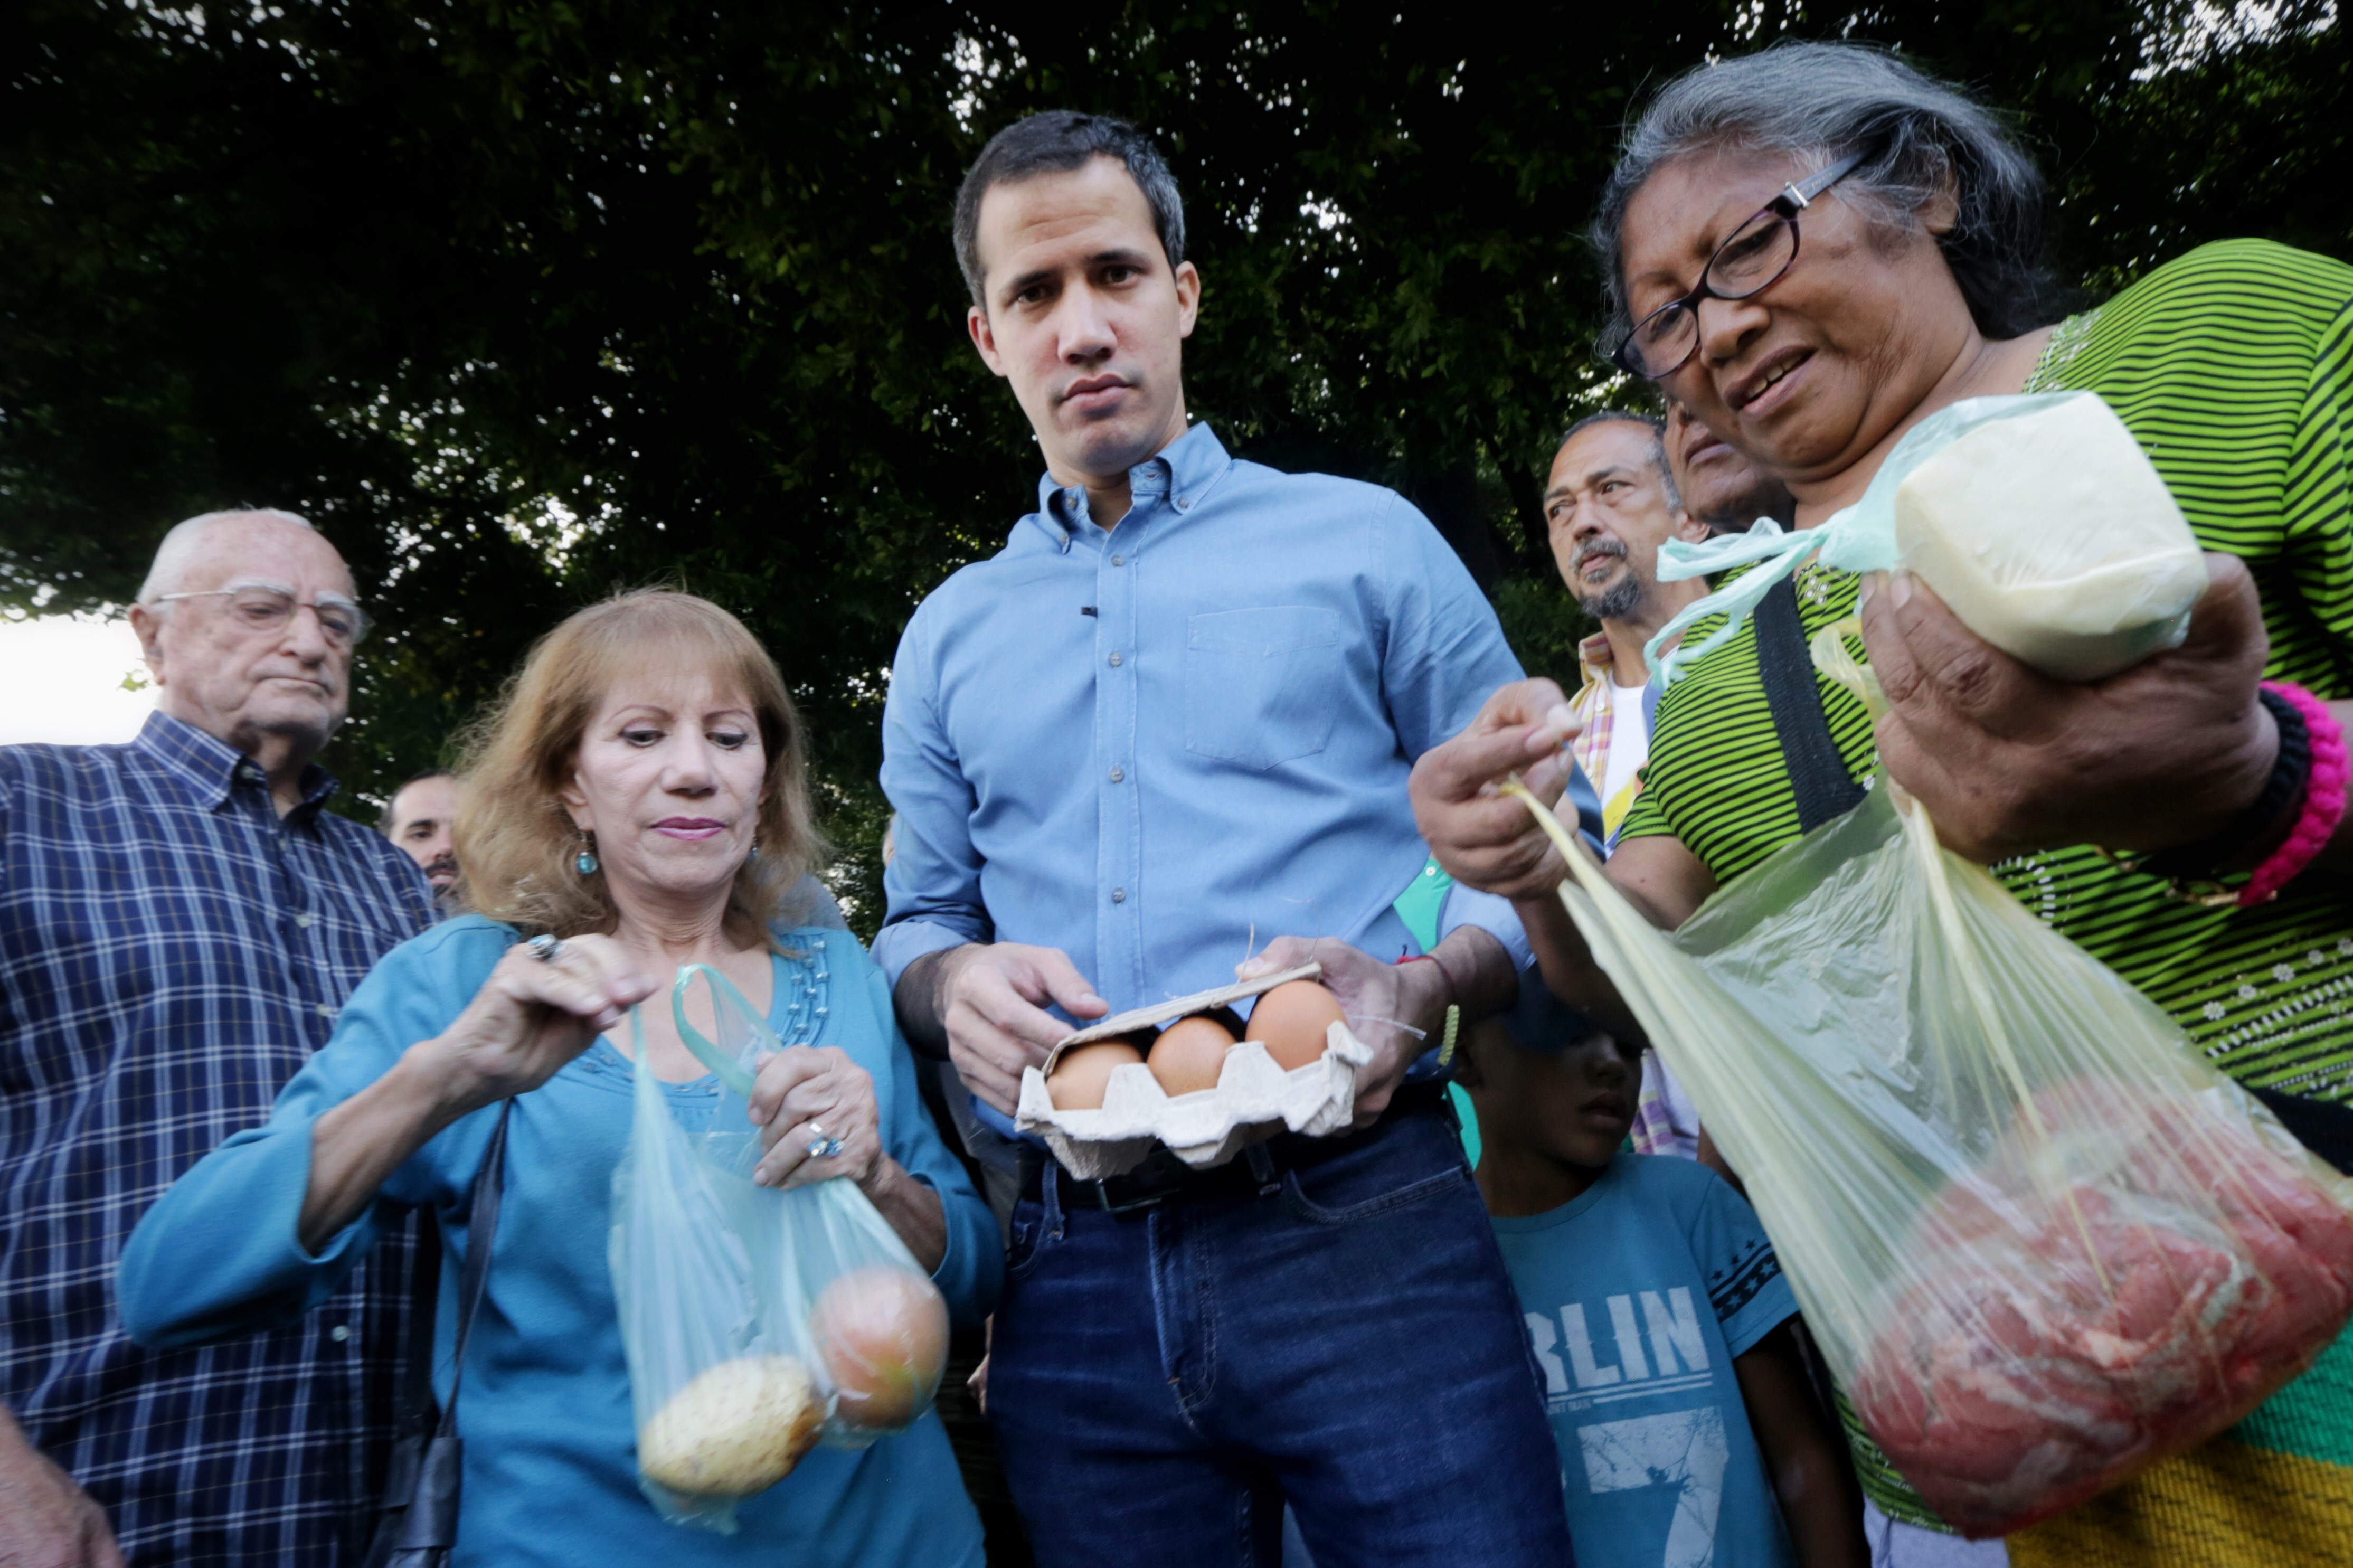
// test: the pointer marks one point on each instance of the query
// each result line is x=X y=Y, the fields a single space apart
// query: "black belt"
x=1165 y=1178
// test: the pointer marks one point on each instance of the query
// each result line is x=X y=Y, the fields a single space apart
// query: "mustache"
x=442 y=863
x=1610 y=547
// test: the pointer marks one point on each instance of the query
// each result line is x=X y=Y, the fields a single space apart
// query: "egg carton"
x=1253 y=1095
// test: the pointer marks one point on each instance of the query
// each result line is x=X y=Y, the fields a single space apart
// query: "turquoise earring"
x=586 y=862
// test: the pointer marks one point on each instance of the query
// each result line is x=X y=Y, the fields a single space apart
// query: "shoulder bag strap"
x=1817 y=773
x=429 y=1526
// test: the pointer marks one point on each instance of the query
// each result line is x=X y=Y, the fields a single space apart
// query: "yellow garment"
x=2275 y=1491
x=2226 y=1505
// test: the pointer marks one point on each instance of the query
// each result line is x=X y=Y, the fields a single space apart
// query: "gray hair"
x=1055 y=143
x=179 y=547
x=1656 y=426
x=1917 y=136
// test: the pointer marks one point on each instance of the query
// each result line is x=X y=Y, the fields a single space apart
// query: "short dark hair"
x=1654 y=424
x=1055 y=143
x=383 y=823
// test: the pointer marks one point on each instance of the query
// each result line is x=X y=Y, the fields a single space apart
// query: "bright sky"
x=61 y=681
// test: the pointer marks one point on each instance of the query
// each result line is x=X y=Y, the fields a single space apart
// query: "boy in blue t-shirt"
x=1661 y=1319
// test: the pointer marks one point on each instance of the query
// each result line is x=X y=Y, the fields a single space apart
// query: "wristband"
x=1453 y=1008
x=2324 y=797
x=2291 y=767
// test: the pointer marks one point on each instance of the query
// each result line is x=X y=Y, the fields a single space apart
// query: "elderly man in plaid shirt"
x=180 y=921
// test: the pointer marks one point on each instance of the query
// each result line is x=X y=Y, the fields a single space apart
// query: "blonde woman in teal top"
x=642 y=796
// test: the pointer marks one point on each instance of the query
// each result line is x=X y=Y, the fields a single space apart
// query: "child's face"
x=1573 y=1105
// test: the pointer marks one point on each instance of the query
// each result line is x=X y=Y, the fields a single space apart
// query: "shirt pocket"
x=1259 y=683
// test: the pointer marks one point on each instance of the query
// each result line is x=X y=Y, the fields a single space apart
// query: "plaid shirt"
x=171 y=953
x=1593 y=707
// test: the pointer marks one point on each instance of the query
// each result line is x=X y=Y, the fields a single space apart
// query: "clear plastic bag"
x=2036 y=518
x=877 y=1323
x=2041 y=1241
x=756 y=1321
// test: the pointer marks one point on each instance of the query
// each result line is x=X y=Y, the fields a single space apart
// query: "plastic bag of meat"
x=2041 y=1242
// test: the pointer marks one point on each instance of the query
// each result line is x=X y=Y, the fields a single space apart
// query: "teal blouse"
x=551 y=1468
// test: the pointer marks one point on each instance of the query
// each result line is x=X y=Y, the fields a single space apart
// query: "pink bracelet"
x=2324 y=798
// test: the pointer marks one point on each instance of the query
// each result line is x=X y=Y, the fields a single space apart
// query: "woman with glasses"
x=1812 y=249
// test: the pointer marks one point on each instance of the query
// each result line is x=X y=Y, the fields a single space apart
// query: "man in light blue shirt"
x=1167 y=729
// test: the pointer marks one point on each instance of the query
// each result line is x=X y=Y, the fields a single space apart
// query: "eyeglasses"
x=270 y=609
x=1748 y=263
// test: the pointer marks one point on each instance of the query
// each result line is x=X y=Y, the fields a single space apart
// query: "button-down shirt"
x=171 y=953
x=1156 y=746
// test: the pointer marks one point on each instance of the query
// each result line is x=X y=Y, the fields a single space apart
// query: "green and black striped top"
x=2233 y=365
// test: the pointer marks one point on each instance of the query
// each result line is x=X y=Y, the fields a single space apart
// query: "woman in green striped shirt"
x=1919 y=283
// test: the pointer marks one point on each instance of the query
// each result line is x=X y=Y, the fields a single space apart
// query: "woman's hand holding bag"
x=765 y=1304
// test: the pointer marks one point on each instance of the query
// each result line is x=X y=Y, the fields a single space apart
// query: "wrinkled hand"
x=1377 y=997
x=992 y=1002
x=2008 y=760
x=47 y=1521
x=805 y=1095
x=531 y=1016
x=1484 y=839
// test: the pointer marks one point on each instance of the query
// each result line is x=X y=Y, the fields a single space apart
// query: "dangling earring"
x=586 y=861
x=754 y=857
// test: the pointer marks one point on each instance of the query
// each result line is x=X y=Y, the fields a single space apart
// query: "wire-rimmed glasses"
x=267 y=607
x=1750 y=262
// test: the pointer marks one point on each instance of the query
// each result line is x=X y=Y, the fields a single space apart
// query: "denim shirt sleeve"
x=219 y=1254
x=972 y=1270
x=932 y=882
x=1445 y=652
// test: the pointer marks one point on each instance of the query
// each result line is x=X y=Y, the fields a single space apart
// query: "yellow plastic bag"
x=2041 y=1241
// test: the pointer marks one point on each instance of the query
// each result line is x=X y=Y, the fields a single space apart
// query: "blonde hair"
x=516 y=844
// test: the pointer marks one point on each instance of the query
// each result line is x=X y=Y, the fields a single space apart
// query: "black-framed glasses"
x=1750 y=262
x=267 y=609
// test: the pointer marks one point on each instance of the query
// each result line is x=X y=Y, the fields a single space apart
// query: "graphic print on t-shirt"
x=1637 y=1298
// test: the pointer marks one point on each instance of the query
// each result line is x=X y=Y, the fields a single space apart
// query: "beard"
x=1617 y=601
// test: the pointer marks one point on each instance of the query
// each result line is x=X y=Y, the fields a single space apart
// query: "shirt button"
x=1119 y=895
x=325 y=1010
x=340 y=1332
x=306 y=919
x=1116 y=661
x=1119 y=560
x=1117 y=774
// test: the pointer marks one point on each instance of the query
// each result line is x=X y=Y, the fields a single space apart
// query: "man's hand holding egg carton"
x=1193 y=1074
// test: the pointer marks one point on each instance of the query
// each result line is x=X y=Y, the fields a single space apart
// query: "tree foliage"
x=523 y=300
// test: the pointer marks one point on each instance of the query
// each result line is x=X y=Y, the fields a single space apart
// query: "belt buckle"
x=1097 y=1194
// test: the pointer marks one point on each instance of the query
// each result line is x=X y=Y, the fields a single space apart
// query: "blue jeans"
x=1346 y=1340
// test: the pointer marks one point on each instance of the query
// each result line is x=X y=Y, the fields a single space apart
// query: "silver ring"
x=545 y=947
x=824 y=1146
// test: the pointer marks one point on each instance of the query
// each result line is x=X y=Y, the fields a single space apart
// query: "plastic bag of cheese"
x=2037 y=518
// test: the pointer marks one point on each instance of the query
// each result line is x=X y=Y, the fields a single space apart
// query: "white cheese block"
x=2051 y=535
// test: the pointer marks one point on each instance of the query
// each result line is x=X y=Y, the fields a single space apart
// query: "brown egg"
x=1290 y=1020
x=1188 y=1053
x=1078 y=1078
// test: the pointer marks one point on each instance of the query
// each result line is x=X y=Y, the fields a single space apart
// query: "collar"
x=1183 y=471
x=211 y=768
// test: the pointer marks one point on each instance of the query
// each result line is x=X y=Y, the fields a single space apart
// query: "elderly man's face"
x=423 y=815
x=1607 y=512
x=1721 y=487
x=1813 y=372
x=242 y=682
x=1085 y=317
